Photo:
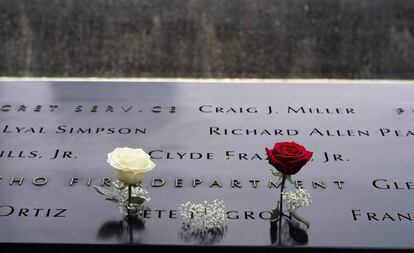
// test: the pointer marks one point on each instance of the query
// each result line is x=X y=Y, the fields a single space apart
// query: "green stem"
x=281 y=204
x=129 y=199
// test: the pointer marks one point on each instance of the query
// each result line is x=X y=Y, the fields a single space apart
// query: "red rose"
x=288 y=157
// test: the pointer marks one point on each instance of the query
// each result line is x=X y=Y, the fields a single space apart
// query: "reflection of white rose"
x=130 y=165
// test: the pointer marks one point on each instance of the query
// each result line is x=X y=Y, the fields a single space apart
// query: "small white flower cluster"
x=296 y=199
x=204 y=216
x=121 y=191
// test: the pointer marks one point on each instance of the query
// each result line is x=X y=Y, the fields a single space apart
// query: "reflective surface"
x=188 y=120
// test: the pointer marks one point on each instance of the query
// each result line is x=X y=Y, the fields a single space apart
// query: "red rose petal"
x=288 y=157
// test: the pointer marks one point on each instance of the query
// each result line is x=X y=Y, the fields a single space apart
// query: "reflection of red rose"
x=288 y=157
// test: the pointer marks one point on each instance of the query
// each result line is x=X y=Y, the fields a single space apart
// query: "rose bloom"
x=130 y=165
x=288 y=157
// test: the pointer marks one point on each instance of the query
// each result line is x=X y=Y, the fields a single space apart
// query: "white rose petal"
x=130 y=165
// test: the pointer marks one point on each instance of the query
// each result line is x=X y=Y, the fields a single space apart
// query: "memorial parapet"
x=208 y=143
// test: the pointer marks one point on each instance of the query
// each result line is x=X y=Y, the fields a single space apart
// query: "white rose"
x=130 y=165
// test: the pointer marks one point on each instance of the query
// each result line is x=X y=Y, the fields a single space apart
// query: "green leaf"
x=137 y=200
x=275 y=173
x=120 y=185
x=301 y=219
x=289 y=179
x=105 y=192
x=275 y=213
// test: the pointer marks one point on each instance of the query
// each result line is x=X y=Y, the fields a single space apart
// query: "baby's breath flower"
x=296 y=199
x=204 y=216
x=122 y=192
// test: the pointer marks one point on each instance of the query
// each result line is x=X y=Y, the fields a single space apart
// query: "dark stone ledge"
x=214 y=38
x=69 y=248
